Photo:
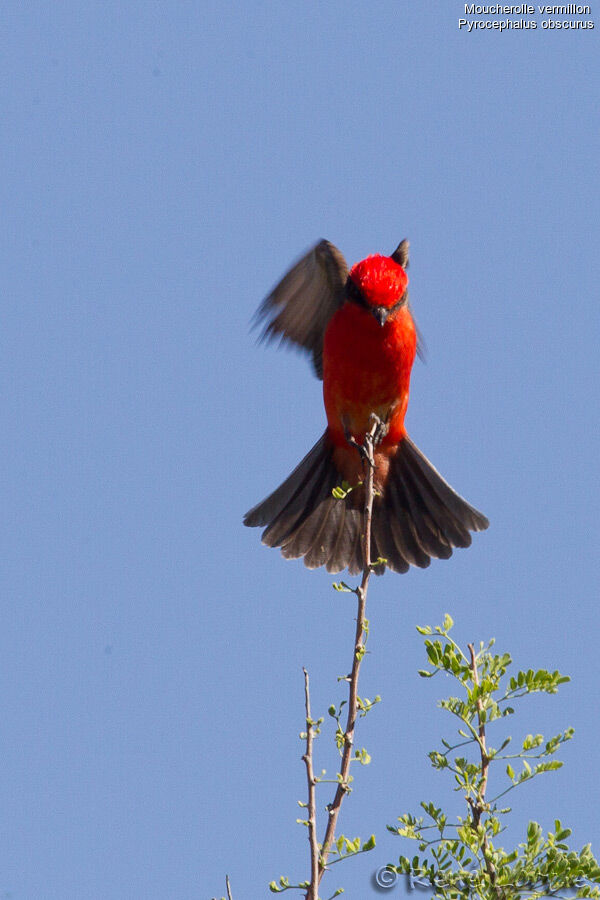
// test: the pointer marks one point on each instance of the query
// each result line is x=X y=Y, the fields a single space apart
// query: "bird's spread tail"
x=419 y=516
x=416 y=516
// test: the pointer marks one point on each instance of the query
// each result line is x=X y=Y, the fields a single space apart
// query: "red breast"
x=366 y=369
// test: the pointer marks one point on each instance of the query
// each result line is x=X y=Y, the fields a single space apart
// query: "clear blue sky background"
x=162 y=164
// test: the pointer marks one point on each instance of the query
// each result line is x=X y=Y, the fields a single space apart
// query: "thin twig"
x=361 y=593
x=312 y=808
x=479 y=804
x=485 y=761
x=229 y=897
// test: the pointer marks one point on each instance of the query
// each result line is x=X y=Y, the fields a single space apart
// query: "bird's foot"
x=363 y=452
x=379 y=429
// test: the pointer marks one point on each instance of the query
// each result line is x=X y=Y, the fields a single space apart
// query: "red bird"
x=359 y=329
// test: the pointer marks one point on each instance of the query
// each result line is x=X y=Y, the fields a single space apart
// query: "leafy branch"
x=465 y=860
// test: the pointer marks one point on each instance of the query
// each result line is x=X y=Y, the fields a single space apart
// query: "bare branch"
x=228 y=886
x=312 y=813
x=361 y=593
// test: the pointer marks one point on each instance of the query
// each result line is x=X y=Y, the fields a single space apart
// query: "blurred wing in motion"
x=300 y=307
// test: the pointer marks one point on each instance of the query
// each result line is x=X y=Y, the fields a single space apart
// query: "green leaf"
x=549 y=766
x=530 y=741
x=342 y=588
x=368 y=845
x=380 y=561
x=448 y=622
x=342 y=491
x=434 y=652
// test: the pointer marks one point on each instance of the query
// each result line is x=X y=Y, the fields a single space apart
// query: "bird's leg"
x=380 y=431
x=374 y=436
x=362 y=450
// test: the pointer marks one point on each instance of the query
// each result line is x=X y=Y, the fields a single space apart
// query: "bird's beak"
x=381 y=313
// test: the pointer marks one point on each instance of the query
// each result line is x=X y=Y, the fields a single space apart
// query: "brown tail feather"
x=384 y=538
x=341 y=550
x=417 y=517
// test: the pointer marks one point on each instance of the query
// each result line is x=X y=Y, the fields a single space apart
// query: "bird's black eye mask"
x=355 y=295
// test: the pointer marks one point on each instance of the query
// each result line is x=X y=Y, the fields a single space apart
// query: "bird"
x=358 y=327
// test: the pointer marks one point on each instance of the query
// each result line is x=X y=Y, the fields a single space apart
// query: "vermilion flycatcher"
x=358 y=327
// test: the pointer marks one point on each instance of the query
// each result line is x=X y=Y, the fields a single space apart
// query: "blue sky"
x=162 y=164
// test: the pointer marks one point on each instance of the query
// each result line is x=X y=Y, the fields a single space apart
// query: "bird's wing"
x=401 y=256
x=299 y=308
